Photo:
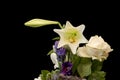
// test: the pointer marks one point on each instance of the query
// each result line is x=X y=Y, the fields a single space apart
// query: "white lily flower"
x=53 y=57
x=71 y=36
x=96 y=48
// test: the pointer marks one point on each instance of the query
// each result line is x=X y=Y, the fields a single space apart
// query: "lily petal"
x=81 y=27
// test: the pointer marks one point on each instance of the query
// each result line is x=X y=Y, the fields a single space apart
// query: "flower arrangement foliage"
x=72 y=61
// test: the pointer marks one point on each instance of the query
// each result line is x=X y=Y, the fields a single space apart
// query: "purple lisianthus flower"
x=56 y=44
x=60 y=51
x=67 y=68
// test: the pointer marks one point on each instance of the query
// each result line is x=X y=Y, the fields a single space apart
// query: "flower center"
x=72 y=38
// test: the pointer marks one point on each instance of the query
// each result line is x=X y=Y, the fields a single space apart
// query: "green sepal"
x=56 y=38
x=50 y=52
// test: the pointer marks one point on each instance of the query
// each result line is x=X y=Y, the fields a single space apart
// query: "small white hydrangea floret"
x=53 y=57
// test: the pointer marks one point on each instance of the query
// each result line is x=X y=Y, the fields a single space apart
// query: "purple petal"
x=67 y=68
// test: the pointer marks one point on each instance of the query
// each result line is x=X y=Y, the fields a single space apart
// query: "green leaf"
x=51 y=51
x=96 y=65
x=54 y=73
x=44 y=74
x=56 y=38
x=84 y=67
x=48 y=76
x=39 y=22
x=97 y=75
x=75 y=61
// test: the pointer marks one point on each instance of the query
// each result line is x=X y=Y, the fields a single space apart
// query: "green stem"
x=68 y=56
x=60 y=25
x=60 y=65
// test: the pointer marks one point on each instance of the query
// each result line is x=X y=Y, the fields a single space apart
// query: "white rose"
x=96 y=48
x=99 y=43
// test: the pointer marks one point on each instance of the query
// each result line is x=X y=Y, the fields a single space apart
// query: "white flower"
x=39 y=78
x=53 y=57
x=71 y=36
x=82 y=52
x=96 y=48
x=99 y=43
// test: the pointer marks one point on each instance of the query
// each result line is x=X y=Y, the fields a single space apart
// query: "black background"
x=26 y=48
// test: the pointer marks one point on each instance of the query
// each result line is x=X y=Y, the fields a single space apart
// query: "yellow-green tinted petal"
x=73 y=47
x=68 y=25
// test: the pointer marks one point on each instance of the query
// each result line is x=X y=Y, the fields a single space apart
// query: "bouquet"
x=74 y=57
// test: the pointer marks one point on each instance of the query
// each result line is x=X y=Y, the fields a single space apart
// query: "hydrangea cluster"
x=72 y=61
